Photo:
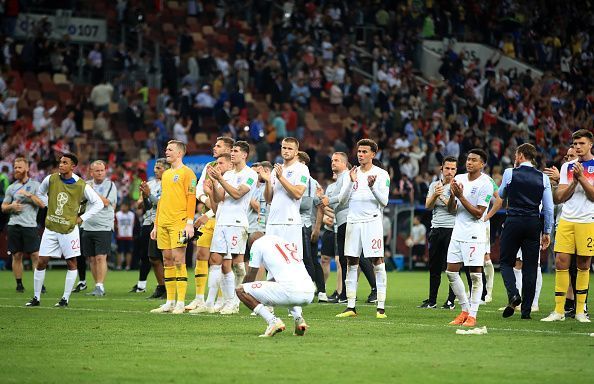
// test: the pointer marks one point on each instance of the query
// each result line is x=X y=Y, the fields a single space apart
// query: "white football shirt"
x=234 y=212
x=283 y=208
x=281 y=260
x=478 y=192
x=125 y=225
x=366 y=204
x=578 y=209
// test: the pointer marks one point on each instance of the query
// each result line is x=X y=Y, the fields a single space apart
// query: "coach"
x=525 y=188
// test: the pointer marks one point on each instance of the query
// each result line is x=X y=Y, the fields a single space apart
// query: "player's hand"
x=545 y=241
x=578 y=170
x=17 y=207
x=24 y=193
x=456 y=189
x=353 y=174
x=189 y=230
x=319 y=192
x=278 y=168
x=105 y=201
x=214 y=173
x=154 y=233
x=79 y=220
x=315 y=235
x=265 y=174
x=325 y=201
x=208 y=187
x=145 y=189
x=201 y=220
x=371 y=180
x=552 y=173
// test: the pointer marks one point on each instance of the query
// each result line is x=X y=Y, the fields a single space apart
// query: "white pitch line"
x=334 y=320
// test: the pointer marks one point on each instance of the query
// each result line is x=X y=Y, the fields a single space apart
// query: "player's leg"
x=454 y=263
x=307 y=256
x=319 y=274
x=435 y=266
x=489 y=276
x=584 y=249
x=476 y=274
x=372 y=243
x=565 y=246
x=145 y=265
x=511 y=238
x=181 y=278
x=17 y=270
x=101 y=272
x=215 y=276
x=379 y=268
x=518 y=272
x=81 y=261
x=535 y=306
x=352 y=250
x=366 y=266
x=128 y=254
x=256 y=295
x=340 y=245
x=70 y=249
x=166 y=239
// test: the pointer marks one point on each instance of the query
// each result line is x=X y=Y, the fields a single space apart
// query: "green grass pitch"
x=115 y=340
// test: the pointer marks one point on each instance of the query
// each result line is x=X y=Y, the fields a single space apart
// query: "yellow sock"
x=581 y=289
x=170 y=282
x=561 y=285
x=200 y=277
x=181 y=277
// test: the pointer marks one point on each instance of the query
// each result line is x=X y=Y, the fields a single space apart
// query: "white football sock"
x=264 y=313
x=296 y=312
x=489 y=276
x=38 y=278
x=100 y=286
x=477 y=291
x=458 y=289
x=538 y=286
x=381 y=284
x=239 y=270
x=518 y=274
x=215 y=274
x=351 y=285
x=141 y=284
x=69 y=283
x=228 y=286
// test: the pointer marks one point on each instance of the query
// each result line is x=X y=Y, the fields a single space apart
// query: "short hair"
x=163 y=162
x=179 y=144
x=97 y=162
x=303 y=157
x=255 y=164
x=449 y=159
x=583 y=133
x=226 y=140
x=344 y=156
x=368 y=143
x=481 y=153
x=266 y=164
x=527 y=150
x=243 y=146
x=291 y=140
x=225 y=156
x=22 y=159
x=72 y=157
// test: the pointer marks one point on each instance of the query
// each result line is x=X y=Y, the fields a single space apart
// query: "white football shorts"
x=228 y=240
x=56 y=245
x=364 y=237
x=273 y=293
x=471 y=254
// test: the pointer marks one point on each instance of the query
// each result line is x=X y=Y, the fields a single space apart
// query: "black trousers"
x=310 y=259
x=81 y=262
x=364 y=263
x=439 y=241
x=144 y=266
x=520 y=232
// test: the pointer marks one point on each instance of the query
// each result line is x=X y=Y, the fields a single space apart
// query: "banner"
x=433 y=52
x=195 y=163
x=78 y=29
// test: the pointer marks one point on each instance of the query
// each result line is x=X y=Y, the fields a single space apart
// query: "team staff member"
x=96 y=234
x=174 y=225
x=62 y=193
x=150 y=255
x=524 y=188
x=442 y=224
x=575 y=231
x=21 y=204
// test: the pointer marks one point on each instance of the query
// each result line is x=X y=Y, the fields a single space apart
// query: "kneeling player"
x=289 y=283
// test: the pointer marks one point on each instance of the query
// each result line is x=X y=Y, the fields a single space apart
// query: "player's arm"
x=315 y=233
x=251 y=275
x=294 y=191
x=42 y=190
x=381 y=190
x=548 y=206
x=565 y=189
x=94 y=203
x=235 y=193
x=485 y=195
x=347 y=186
x=583 y=181
x=497 y=204
x=255 y=205
x=190 y=202
x=268 y=191
x=452 y=204
x=7 y=203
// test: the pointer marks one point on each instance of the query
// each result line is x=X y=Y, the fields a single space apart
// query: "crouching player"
x=288 y=283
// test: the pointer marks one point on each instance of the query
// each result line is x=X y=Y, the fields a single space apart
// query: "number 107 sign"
x=79 y=29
